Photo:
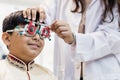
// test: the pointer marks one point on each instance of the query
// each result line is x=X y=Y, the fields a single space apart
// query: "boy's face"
x=24 y=47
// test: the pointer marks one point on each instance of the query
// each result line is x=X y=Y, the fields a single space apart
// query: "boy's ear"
x=6 y=38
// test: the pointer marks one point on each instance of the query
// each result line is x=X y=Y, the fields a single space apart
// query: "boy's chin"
x=33 y=54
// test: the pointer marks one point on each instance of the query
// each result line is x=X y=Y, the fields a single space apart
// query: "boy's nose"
x=36 y=37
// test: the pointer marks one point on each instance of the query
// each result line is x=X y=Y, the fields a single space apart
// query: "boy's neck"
x=19 y=63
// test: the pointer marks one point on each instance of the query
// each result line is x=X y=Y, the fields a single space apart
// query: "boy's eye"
x=31 y=29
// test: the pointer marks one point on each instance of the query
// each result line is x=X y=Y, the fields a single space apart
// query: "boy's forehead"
x=23 y=25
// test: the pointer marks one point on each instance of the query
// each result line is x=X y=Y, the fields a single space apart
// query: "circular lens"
x=45 y=32
x=31 y=29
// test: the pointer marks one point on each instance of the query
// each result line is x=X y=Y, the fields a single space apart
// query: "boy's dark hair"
x=14 y=19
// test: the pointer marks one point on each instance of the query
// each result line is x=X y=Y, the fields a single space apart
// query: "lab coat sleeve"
x=50 y=7
x=105 y=40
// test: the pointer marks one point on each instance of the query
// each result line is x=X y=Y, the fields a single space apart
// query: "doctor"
x=87 y=40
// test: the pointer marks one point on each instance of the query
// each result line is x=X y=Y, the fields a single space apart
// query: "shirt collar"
x=19 y=63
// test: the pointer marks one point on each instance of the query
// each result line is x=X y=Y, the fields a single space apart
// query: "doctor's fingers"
x=62 y=34
x=56 y=24
x=30 y=13
x=66 y=36
x=61 y=29
x=42 y=15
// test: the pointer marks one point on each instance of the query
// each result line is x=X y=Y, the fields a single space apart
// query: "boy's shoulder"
x=3 y=65
x=3 y=62
x=45 y=71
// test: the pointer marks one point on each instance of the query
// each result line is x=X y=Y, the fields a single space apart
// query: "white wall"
x=8 y=6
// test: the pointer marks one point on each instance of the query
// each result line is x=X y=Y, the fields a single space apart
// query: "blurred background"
x=6 y=7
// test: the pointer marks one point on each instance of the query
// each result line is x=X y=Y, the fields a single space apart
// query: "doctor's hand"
x=62 y=29
x=31 y=13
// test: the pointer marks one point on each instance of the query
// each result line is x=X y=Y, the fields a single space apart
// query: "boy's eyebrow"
x=37 y=23
x=20 y=26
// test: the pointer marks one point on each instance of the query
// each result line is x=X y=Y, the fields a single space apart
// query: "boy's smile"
x=34 y=45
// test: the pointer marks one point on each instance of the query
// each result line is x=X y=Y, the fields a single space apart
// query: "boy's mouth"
x=34 y=45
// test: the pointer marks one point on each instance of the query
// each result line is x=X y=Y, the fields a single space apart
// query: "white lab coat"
x=98 y=48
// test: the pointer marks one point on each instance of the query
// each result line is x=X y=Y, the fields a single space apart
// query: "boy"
x=24 y=40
